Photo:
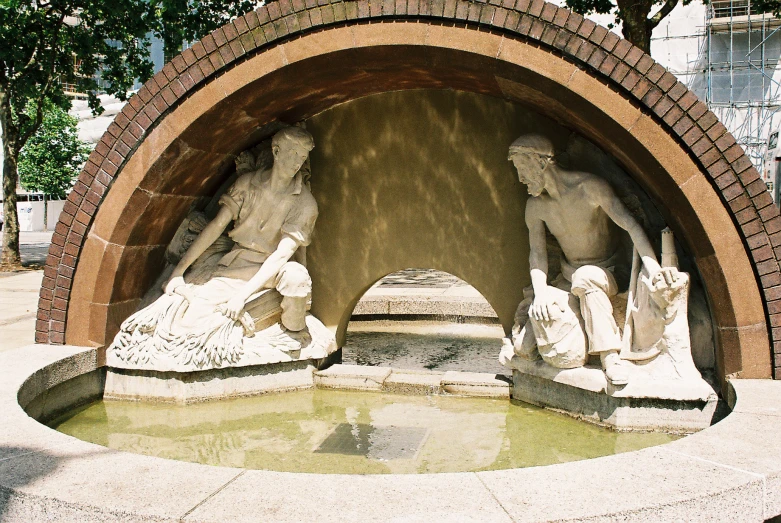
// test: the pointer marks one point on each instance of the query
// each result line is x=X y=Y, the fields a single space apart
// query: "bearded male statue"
x=571 y=317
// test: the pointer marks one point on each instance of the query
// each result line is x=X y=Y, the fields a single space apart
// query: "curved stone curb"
x=616 y=62
x=729 y=472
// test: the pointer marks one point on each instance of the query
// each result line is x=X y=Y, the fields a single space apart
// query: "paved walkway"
x=19 y=292
x=34 y=248
x=18 y=307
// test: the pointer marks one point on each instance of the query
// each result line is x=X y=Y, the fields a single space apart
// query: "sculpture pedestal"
x=273 y=360
x=669 y=405
x=194 y=387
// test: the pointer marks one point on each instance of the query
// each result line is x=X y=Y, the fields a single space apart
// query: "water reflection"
x=350 y=432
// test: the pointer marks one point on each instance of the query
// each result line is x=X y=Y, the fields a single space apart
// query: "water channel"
x=328 y=431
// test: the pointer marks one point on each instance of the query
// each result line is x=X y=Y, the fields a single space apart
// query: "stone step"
x=410 y=381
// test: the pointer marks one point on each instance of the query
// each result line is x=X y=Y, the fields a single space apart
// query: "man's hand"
x=544 y=307
x=171 y=285
x=232 y=308
x=665 y=287
x=666 y=277
x=661 y=277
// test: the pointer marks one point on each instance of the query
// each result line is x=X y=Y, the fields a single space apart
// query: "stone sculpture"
x=245 y=299
x=568 y=318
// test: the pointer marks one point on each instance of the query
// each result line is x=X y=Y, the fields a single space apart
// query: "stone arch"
x=341 y=327
x=291 y=60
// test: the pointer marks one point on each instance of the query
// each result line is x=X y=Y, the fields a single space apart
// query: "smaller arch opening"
x=427 y=320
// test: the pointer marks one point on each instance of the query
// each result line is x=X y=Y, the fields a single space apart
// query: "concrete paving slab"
x=755 y=397
x=424 y=306
x=17 y=335
x=464 y=292
x=22 y=436
x=352 y=377
x=412 y=291
x=38 y=367
x=18 y=308
x=284 y=497
x=86 y=474
x=33 y=247
x=476 y=384
x=648 y=485
x=414 y=382
x=378 y=306
x=471 y=308
x=733 y=443
x=24 y=375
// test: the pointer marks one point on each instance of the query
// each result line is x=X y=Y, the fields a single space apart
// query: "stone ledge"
x=386 y=379
x=422 y=305
x=643 y=404
x=476 y=384
x=193 y=387
x=352 y=377
x=728 y=472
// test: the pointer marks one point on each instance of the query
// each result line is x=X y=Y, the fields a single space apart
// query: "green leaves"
x=48 y=46
x=590 y=6
x=54 y=155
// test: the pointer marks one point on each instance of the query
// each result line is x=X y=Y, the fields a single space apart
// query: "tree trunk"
x=636 y=27
x=45 y=213
x=11 y=258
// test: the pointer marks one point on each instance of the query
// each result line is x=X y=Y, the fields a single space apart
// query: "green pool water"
x=350 y=432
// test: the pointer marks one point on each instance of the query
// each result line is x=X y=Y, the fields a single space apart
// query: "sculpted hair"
x=542 y=145
x=538 y=143
x=294 y=135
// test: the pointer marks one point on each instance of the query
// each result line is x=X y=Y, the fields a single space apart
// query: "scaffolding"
x=736 y=71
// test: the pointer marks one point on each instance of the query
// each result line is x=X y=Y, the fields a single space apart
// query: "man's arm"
x=538 y=250
x=268 y=270
x=543 y=307
x=617 y=211
x=208 y=236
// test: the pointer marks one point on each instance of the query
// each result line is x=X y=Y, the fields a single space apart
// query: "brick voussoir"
x=610 y=41
x=500 y=17
x=536 y=7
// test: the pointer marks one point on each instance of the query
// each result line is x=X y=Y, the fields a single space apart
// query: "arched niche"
x=178 y=140
x=423 y=318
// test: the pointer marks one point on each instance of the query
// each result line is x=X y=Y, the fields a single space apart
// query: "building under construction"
x=728 y=54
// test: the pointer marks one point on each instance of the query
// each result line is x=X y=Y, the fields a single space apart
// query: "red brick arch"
x=290 y=60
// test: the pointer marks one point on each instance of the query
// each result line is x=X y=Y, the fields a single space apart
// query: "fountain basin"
x=730 y=471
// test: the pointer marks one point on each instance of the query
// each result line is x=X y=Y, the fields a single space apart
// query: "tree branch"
x=41 y=99
x=31 y=62
x=668 y=6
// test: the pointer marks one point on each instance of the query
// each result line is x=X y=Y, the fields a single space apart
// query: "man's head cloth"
x=537 y=143
x=293 y=136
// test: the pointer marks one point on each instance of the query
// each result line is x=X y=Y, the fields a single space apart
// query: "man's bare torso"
x=584 y=231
